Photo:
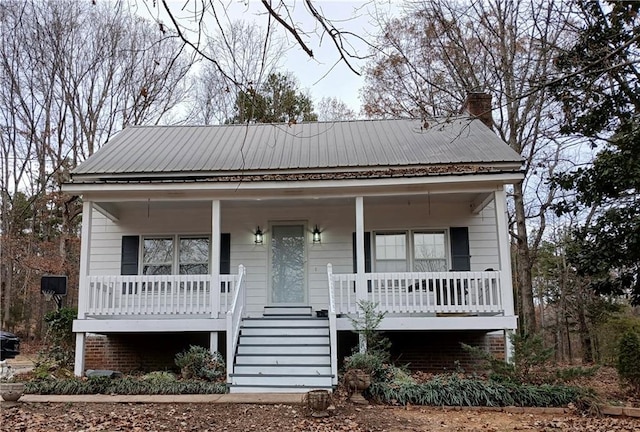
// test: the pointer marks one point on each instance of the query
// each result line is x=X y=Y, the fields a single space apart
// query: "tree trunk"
x=523 y=257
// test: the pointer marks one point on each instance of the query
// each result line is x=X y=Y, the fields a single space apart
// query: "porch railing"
x=159 y=295
x=333 y=330
x=234 y=319
x=435 y=292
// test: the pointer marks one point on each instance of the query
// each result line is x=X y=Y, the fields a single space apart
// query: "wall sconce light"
x=258 y=235
x=316 y=235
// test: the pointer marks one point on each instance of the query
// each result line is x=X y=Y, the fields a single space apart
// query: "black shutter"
x=129 y=255
x=225 y=253
x=460 y=257
x=367 y=253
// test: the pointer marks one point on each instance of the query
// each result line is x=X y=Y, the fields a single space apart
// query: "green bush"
x=610 y=333
x=58 y=354
x=531 y=363
x=629 y=360
x=451 y=390
x=122 y=386
x=198 y=362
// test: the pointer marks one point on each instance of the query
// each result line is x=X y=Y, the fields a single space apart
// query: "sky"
x=321 y=75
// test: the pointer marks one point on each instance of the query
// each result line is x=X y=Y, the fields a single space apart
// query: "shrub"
x=123 y=386
x=198 y=362
x=451 y=390
x=629 y=360
x=56 y=358
x=531 y=363
x=609 y=334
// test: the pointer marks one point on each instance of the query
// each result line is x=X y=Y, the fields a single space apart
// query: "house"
x=260 y=240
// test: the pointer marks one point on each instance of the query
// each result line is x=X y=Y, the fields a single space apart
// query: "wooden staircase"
x=285 y=351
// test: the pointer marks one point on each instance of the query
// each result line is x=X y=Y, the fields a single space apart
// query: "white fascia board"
x=299 y=185
x=440 y=323
x=148 y=325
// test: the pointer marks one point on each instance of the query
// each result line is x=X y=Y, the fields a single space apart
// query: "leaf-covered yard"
x=38 y=417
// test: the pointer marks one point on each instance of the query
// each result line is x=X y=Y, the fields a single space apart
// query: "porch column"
x=504 y=248
x=78 y=365
x=361 y=283
x=360 y=271
x=85 y=248
x=215 y=259
x=213 y=342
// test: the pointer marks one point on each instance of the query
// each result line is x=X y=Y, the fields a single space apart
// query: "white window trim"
x=175 y=239
x=409 y=244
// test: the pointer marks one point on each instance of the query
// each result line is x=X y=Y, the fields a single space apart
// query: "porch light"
x=258 y=235
x=316 y=235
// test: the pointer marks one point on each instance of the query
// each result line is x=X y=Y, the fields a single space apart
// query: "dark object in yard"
x=322 y=313
x=356 y=381
x=318 y=401
x=11 y=392
x=93 y=373
x=9 y=345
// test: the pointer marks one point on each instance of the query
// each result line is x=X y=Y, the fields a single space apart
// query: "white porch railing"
x=158 y=295
x=437 y=292
x=234 y=319
x=333 y=330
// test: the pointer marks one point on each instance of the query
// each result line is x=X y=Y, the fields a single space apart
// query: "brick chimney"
x=478 y=105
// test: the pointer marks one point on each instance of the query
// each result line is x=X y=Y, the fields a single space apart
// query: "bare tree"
x=71 y=75
x=305 y=23
x=436 y=53
x=333 y=109
x=249 y=54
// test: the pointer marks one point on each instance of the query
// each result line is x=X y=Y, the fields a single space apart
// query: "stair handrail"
x=234 y=317
x=333 y=331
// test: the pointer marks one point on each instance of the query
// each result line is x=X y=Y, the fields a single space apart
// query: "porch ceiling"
x=205 y=204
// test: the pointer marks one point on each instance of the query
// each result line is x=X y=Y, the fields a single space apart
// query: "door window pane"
x=157 y=256
x=391 y=252
x=287 y=264
x=429 y=253
x=194 y=255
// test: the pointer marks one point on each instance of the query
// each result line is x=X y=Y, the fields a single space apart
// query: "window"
x=157 y=258
x=419 y=251
x=194 y=255
x=429 y=253
x=391 y=252
x=160 y=257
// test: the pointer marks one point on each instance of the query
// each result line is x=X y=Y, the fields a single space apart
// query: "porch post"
x=504 y=252
x=78 y=365
x=215 y=258
x=360 y=271
x=213 y=342
x=361 y=283
x=506 y=287
x=85 y=248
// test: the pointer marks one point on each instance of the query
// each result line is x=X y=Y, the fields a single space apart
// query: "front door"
x=288 y=281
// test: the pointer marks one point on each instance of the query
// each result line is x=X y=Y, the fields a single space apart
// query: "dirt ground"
x=283 y=418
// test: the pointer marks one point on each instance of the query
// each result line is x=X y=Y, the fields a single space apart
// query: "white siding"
x=336 y=222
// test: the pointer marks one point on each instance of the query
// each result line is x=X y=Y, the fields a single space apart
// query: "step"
x=285 y=322
x=285 y=331
x=289 y=370
x=287 y=311
x=275 y=389
x=283 y=340
x=282 y=379
x=283 y=359
x=283 y=349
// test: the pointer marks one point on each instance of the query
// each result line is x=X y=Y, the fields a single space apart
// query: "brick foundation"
x=432 y=351
x=138 y=352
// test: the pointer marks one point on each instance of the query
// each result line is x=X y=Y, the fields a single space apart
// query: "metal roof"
x=322 y=146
